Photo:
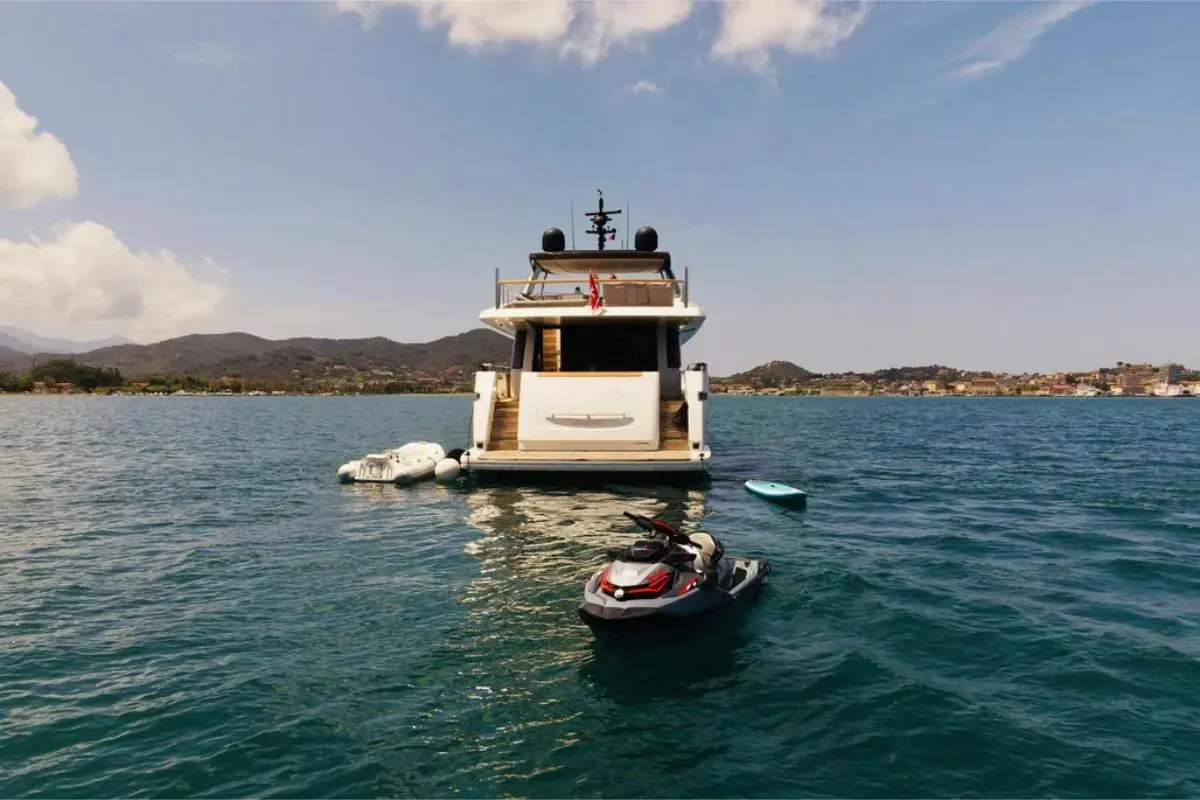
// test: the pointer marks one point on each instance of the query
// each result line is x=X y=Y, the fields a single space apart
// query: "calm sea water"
x=984 y=597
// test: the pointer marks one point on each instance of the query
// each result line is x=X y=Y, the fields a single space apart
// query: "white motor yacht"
x=596 y=382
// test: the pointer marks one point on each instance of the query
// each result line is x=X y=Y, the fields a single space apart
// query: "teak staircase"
x=670 y=435
x=504 y=425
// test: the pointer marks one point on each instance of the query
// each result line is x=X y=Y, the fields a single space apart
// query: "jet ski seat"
x=644 y=551
x=706 y=543
x=710 y=553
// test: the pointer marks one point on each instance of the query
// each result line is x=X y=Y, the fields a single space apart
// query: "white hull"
x=413 y=462
x=1170 y=390
x=583 y=424
x=479 y=462
x=596 y=382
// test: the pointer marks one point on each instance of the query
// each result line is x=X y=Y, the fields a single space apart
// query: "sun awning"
x=583 y=262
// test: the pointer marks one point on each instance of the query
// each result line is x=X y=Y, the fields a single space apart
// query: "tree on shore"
x=15 y=383
x=66 y=370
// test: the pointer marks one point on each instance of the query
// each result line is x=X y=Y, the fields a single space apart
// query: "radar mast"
x=600 y=219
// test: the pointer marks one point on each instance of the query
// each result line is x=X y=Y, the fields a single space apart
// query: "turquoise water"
x=984 y=597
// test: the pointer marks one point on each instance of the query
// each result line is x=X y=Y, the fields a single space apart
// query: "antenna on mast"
x=600 y=220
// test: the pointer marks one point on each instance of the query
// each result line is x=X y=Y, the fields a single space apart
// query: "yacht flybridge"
x=596 y=382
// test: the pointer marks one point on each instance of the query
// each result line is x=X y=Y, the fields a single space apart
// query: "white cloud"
x=750 y=29
x=474 y=25
x=368 y=10
x=1011 y=40
x=207 y=54
x=85 y=274
x=590 y=31
x=585 y=30
x=642 y=87
x=34 y=165
x=622 y=22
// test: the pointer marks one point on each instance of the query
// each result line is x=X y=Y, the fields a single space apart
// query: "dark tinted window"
x=620 y=347
x=674 y=358
x=518 y=351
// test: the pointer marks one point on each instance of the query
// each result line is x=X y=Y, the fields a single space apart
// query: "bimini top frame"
x=584 y=262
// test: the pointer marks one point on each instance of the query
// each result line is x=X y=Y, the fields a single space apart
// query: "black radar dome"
x=646 y=239
x=553 y=240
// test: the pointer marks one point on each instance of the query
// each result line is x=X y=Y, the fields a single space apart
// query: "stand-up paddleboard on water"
x=778 y=492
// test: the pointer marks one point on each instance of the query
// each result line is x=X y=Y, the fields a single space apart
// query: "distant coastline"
x=239 y=363
x=125 y=392
x=67 y=377
x=800 y=397
x=1026 y=395
x=115 y=392
x=1123 y=379
x=242 y=364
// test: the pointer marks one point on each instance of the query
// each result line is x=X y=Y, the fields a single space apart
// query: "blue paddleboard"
x=776 y=491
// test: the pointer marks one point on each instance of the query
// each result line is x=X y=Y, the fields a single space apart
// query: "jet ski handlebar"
x=658 y=526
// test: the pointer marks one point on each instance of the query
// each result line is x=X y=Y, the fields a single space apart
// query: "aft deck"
x=659 y=293
x=625 y=279
x=502 y=443
x=579 y=455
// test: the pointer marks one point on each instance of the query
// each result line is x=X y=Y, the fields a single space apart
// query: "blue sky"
x=984 y=184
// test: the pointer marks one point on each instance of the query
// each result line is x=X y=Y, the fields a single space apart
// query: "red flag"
x=593 y=291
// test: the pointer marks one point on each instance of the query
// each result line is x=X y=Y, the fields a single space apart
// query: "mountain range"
x=452 y=358
x=242 y=355
x=23 y=341
x=783 y=373
x=773 y=372
x=252 y=357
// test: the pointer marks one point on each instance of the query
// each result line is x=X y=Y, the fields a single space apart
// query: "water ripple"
x=991 y=598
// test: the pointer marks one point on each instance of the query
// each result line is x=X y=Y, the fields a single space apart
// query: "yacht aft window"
x=518 y=349
x=674 y=351
x=609 y=347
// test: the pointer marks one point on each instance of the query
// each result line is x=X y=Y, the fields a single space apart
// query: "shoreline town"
x=777 y=378
x=1123 y=380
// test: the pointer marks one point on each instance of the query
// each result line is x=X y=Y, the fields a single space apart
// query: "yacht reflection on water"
x=518 y=518
x=539 y=544
x=537 y=547
x=550 y=541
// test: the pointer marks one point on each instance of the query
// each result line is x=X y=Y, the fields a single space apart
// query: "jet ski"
x=667 y=577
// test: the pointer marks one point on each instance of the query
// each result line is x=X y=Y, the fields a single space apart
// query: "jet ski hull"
x=738 y=579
